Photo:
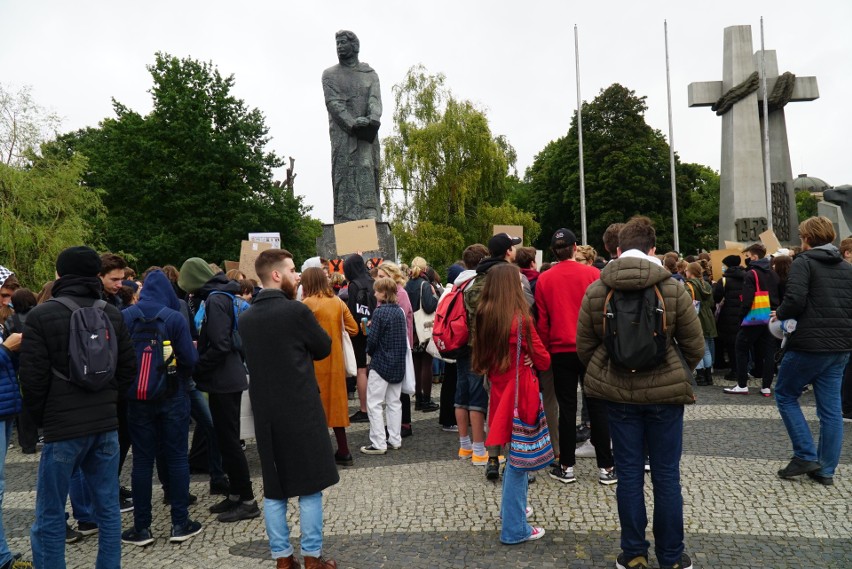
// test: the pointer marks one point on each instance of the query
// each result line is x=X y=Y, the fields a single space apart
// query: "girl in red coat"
x=502 y=309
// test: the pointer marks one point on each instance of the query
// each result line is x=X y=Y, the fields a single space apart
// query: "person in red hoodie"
x=558 y=295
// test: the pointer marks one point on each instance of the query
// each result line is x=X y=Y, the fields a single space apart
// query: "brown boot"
x=319 y=563
x=287 y=563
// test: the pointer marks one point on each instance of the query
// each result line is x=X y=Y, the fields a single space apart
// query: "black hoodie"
x=819 y=297
x=220 y=367
x=767 y=280
x=362 y=299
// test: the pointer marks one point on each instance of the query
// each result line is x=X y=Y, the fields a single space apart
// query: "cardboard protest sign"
x=770 y=240
x=354 y=236
x=249 y=252
x=273 y=238
x=512 y=230
x=231 y=265
x=716 y=260
x=735 y=245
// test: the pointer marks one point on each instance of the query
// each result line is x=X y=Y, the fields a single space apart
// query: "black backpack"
x=92 y=346
x=634 y=328
x=156 y=375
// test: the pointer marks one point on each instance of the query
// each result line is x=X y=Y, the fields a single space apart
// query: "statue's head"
x=348 y=45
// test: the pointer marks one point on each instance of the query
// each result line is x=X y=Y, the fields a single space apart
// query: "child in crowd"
x=387 y=342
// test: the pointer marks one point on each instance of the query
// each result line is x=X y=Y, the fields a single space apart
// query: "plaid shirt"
x=387 y=342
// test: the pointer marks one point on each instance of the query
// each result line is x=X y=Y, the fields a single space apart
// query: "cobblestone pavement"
x=419 y=507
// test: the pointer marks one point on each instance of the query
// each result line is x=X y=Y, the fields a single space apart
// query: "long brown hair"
x=315 y=283
x=500 y=303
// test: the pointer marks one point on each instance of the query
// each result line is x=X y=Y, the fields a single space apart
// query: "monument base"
x=327 y=247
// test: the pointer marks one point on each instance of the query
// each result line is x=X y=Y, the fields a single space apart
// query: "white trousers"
x=380 y=391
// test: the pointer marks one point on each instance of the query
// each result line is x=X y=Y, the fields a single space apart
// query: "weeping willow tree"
x=44 y=209
x=444 y=172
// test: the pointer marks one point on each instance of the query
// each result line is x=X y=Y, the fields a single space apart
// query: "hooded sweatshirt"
x=220 y=367
x=819 y=297
x=768 y=281
x=158 y=297
x=361 y=300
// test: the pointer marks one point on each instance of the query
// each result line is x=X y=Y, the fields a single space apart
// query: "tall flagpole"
x=766 y=175
x=584 y=238
x=671 y=143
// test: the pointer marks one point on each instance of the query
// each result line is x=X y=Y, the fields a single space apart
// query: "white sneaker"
x=766 y=392
x=585 y=450
x=736 y=390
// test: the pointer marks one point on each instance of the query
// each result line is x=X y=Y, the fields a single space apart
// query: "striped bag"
x=759 y=313
x=529 y=448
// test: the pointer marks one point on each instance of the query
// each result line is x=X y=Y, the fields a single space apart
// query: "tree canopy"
x=192 y=177
x=444 y=172
x=626 y=165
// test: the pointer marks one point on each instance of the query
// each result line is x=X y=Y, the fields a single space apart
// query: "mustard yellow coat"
x=332 y=314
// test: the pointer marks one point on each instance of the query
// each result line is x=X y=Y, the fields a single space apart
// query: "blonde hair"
x=393 y=271
x=817 y=231
x=695 y=269
x=588 y=252
x=387 y=286
x=418 y=267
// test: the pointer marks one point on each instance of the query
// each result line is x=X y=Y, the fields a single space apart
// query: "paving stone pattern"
x=420 y=507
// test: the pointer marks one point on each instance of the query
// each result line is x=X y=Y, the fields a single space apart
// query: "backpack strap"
x=607 y=313
x=66 y=302
x=662 y=306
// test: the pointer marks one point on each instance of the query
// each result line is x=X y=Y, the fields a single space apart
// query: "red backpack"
x=450 y=331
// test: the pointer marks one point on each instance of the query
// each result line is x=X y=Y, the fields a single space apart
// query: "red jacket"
x=558 y=295
x=501 y=403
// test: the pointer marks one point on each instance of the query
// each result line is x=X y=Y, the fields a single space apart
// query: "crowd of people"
x=100 y=361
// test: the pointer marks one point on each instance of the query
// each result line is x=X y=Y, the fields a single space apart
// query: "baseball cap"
x=502 y=242
x=565 y=235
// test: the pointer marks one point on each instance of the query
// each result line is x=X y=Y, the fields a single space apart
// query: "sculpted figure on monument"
x=354 y=103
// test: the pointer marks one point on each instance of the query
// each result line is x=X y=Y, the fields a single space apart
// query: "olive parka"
x=282 y=338
x=669 y=383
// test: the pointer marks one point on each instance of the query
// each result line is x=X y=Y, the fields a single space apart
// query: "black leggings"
x=225 y=409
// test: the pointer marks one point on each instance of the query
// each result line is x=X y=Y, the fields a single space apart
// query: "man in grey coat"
x=282 y=338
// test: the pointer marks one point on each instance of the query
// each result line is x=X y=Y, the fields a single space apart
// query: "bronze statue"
x=354 y=102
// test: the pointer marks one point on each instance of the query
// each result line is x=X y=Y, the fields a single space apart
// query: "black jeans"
x=763 y=342
x=447 y=413
x=846 y=390
x=225 y=409
x=567 y=375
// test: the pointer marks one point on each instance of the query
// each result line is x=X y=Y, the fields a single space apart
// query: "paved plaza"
x=419 y=507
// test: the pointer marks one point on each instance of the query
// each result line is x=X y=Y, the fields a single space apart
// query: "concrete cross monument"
x=738 y=99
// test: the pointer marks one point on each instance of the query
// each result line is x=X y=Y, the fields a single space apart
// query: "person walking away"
x=421 y=295
x=80 y=425
x=728 y=292
x=645 y=405
x=333 y=317
x=361 y=302
x=502 y=320
x=295 y=451
x=819 y=299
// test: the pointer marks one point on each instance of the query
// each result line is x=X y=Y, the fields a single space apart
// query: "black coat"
x=282 y=339
x=730 y=290
x=767 y=280
x=819 y=297
x=63 y=409
x=220 y=367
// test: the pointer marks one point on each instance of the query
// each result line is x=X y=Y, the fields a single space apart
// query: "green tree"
x=806 y=204
x=626 y=173
x=43 y=210
x=449 y=170
x=192 y=177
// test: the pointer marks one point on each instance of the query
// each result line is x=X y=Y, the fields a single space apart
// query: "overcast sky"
x=514 y=59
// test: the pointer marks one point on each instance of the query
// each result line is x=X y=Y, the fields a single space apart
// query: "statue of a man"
x=354 y=103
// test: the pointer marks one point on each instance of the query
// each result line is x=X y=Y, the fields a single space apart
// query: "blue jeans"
x=709 y=350
x=97 y=457
x=662 y=427
x=823 y=370
x=310 y=522
x=5 y=437
x=200 y=412
x=470 y=391
x=160 y=425
x=513 y=506
x=81 y=498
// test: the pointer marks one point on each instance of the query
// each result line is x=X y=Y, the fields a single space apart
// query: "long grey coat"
x=282 y=339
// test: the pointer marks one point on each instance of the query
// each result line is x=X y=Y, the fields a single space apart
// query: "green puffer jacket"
x=670 y=382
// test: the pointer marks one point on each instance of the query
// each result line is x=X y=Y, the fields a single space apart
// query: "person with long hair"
x=333 y=316
x=502 y=317
x=700 y=290
x=422 y=295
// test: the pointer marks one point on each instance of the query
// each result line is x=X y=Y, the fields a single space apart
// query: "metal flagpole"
x=580 y=140
x=766 y=175
x=671 y=143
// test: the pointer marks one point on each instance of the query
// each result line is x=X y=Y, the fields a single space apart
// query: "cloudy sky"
x=514 y=59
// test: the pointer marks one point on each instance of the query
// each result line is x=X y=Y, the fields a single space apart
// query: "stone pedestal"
x=837 y=206
x=327 y=248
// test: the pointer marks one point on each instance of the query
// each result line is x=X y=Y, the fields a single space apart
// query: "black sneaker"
x=243 y=511
x=184 y=532
x=125 y=505
x=824 y=480
x=343 y=459
x=584 y=432
x=123 y=492
x=405 y=432
x=799 y=466
x=564 y=475
x=72 y=535
x=141 y=538
x=192 y=499
x=359 y=417
x=225 y=505
x=638 y=562
x=87 y=528
x=428 y=406
x=492 y=469
x=684 y=563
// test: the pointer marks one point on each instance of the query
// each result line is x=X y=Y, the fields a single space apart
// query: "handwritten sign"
x=273 y=238
x=354 y=236
x=249 y=252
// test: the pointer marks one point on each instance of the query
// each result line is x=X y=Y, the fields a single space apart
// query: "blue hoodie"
x=157 y=293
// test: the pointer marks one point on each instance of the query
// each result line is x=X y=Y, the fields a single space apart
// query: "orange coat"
x=332 y=313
